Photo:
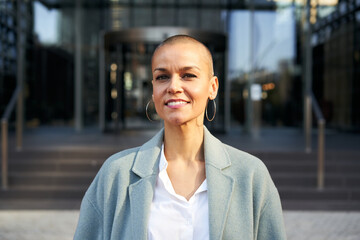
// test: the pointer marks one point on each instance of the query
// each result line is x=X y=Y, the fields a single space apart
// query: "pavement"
x=60 y=225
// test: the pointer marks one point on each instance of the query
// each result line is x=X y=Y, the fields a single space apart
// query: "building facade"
x=258 y=46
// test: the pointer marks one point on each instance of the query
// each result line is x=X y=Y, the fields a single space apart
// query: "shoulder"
x=249 y=170
x=116 y=167
x=244 y=160
x=230 y=159
x=120 y=161
x=252 y=174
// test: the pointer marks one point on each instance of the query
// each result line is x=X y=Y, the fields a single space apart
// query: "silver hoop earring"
x=146 y=111
x=206 y=112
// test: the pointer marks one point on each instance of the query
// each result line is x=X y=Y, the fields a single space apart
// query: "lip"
x=176 y=103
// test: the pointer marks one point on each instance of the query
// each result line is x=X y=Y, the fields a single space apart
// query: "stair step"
x=51 y=178
x=310 y=179
x=60 y=165
x=53 y=155
x=347 y=205
x=57 y=192
x=312 y=167
x=336 y=156
x=315 y=194
x=52 y=174
x=40 y=204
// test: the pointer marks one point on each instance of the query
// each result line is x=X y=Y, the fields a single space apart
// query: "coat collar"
x=146 y=161
x=215 y=153
x=220 y=185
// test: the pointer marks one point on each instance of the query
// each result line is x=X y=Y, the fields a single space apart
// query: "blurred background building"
x=87 y=63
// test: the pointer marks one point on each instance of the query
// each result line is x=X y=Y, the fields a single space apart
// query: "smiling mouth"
x=176 y=103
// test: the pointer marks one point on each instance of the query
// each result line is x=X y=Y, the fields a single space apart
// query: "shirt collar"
x=162 y=163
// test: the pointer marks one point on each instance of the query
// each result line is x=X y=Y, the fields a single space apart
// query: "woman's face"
x=182 y=82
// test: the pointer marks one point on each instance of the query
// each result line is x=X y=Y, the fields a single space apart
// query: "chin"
x=176 y=122
x=182 y=121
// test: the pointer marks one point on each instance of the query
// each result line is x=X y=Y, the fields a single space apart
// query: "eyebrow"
x=189 y=68
x=160 y=69
x=181 y=69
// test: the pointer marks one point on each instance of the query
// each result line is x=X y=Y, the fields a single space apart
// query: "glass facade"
x=336 y=47
x=16 y=24
x=263 y=59
x=264 y=52
x=7 y=52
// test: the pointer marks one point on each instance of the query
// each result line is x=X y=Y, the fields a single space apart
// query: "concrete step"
x=324 y=205
x=337 y=156
x=49 y=193
x=50 y=178
x=333 y=194
x=310 y=180
x=306 y=167
x=88 y=153
x=40 y=204
x=61 y=165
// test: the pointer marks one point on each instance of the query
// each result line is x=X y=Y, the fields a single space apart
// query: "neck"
x=184 y=143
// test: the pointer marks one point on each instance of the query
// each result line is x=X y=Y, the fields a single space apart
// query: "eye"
x=162 y=77
x=189 y=75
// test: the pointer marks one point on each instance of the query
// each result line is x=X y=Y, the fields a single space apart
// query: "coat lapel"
x=142 y=191
x=141 y=195
x=220 y=185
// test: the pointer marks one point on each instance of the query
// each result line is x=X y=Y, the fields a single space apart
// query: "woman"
x=183 y=183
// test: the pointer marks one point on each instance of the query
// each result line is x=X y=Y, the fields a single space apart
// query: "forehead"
x=191 y=51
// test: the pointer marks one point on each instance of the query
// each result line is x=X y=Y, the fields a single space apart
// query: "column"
x=20 y=74
x=78 y=114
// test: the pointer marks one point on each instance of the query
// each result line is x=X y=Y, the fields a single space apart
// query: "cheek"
x=200 y=94
x=157 y=98
x=156 y=91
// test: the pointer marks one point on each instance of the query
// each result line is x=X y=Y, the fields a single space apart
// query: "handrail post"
x=321 y=154
x=4 y=134
x=308 y=123
x=19 y=120
x=4 y=151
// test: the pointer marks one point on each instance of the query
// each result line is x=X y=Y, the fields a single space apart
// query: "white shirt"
x=172 y=216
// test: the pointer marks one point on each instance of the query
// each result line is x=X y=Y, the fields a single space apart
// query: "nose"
x=175 y=85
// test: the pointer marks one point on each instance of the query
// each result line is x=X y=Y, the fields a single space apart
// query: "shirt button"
x=188 y=221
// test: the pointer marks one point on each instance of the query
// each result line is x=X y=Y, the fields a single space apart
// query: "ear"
x=213 y=88
x=152 y=88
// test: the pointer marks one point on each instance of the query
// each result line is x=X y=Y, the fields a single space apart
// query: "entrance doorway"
x=125 y=76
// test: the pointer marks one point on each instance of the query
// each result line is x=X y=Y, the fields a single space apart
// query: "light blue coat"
x=243 y=201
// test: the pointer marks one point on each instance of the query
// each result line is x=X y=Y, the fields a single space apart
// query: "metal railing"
x=312 y=104
x=4 y=135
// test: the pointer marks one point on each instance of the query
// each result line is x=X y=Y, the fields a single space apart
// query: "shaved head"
x=188 y=40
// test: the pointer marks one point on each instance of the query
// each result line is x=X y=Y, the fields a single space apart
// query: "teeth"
x=176 y=103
